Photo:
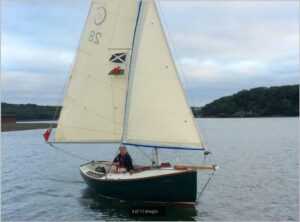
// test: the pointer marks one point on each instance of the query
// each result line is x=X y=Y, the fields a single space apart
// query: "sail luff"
x=138 y=30
x=130 y=67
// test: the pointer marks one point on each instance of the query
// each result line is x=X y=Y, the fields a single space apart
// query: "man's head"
x=122 y=150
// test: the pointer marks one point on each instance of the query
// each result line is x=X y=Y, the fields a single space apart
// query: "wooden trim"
x=196 y=167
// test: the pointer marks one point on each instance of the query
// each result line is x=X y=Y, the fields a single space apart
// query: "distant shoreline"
x=26 y=126
x=261 y=102
x=275 y=101
x=32 y=125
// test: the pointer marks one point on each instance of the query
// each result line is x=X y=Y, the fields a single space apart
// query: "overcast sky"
x=220 y=47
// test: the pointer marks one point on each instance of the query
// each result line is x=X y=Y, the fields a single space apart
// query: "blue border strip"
x=164 y=147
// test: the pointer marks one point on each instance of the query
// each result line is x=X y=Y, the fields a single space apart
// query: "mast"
x=125 y=121
x=133 y=51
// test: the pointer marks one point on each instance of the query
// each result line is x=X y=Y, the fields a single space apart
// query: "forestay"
x=93 y=107
x=157 y=112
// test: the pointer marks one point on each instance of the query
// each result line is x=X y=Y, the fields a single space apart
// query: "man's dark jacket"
x=124 y=161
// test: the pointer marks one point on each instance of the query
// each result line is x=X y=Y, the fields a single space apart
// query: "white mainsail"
x=157 y=113
x=93 y=107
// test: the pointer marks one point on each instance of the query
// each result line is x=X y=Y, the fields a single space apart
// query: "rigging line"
x=205 y=185
x=144 y=153
x=68 y=153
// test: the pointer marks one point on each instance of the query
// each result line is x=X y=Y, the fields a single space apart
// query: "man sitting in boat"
x=122 y=161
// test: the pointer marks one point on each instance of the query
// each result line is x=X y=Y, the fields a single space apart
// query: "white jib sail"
x=157 y=112
x=93 y=108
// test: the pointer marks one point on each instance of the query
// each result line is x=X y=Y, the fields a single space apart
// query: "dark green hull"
x=178 y=187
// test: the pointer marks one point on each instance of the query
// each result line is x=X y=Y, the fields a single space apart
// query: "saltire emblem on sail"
x=118 y=58
x=116 y=71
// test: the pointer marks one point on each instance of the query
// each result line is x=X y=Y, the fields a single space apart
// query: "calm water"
x=257 y=179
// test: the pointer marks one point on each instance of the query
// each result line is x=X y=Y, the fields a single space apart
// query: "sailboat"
x=124 y=88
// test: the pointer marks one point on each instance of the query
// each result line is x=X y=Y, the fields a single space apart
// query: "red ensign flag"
x=116 y=71
x=46 y=135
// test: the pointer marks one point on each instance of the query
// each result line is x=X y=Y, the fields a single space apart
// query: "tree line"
x=257 y=102
x=30 y=112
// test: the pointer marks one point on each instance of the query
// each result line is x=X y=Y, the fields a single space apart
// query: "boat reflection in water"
x=117 y=209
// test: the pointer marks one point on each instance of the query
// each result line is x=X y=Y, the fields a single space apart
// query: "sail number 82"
x=94 y=37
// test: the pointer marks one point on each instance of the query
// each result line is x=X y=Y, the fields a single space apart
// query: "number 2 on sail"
x=94 y=37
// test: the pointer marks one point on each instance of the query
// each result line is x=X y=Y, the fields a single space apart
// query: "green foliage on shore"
x=30 y=111
x=256 y=102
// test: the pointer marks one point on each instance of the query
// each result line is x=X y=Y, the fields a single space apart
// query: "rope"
x=151 y=160
x=68 y=153
x=211 y=176
x=205 y=186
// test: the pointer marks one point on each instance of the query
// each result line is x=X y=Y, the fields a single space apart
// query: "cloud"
x=235 y=29
x=32 y=87
x=52 y=3
x=18 y=54
x=220 y=46
x=38 y=47
x=223 y=47
x=212 y=70
x=31 y=73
